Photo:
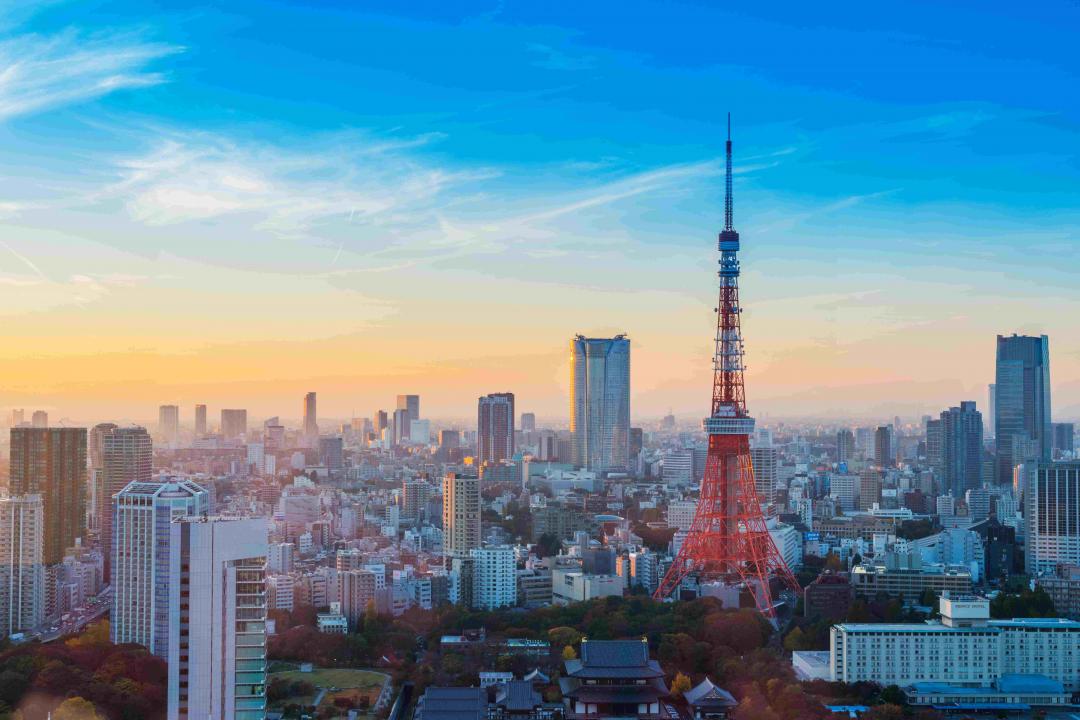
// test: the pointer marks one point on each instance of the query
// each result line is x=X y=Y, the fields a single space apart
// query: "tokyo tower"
x=728 y=539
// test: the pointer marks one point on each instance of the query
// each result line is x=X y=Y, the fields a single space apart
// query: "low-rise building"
x=570 y=585
x=964 y=649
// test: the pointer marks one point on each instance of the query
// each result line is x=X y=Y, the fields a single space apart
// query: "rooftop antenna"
x=728 y=206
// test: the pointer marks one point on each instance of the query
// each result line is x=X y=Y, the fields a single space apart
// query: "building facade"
x=51 y=462
x=1022 y=430
x=600 y=403
x=1052 y=517
x=495 y=428
x=461 y=514
x=22 y=567
x=142 y=518
x=217 y=616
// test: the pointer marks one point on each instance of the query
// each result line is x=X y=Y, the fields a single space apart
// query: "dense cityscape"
x=650 y=360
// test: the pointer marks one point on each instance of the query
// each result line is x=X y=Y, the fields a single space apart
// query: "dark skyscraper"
x=528 y=422
x=495 y=428
x=884 y=452
x=1022 y=430
x=1063 y=438
x=200 y=420
x=51 y=462
x=311 y=422
x=961 y=449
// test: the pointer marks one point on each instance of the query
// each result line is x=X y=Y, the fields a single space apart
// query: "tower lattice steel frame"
x=728 y=539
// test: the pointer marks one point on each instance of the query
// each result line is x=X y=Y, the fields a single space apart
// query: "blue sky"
x=238 y=202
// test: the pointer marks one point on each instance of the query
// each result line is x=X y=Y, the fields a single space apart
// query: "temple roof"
x=614 y=659
x=706 y=693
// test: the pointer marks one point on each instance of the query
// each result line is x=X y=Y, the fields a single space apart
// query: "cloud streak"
x=41 y=72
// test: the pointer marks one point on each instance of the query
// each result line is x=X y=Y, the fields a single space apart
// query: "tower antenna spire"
x=729 y=210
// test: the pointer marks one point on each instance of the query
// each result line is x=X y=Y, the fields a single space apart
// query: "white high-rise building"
x=679 y=467
x=461 y=514
x=1052 y=517
x=22 y=570
x=845 y=488
x=142 y=516
x=494 y=577
x=766 y=463
x=281 y=558
x=217 y=618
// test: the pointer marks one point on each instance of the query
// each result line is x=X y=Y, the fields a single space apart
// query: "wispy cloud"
x=39 y=72
x=191 y=176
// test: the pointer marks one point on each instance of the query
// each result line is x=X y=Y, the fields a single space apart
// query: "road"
x=77 y=620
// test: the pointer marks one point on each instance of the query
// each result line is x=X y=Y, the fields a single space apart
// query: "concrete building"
x=127 y=457
x=200 y=420
x=51 y=463
x=495 y=428
x=142 y=520
x=234 y=424
x=962 y=449
x=766 y=463
x=22 y=567
x=494 y=578
x=1052 y=517
x=461 y=514
x=680 y=514
x=571 y=585
x=311 y=421
x=217 y=618
x=169 y=424
x=965 y=649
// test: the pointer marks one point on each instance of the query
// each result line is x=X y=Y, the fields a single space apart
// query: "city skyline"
x=173 y=219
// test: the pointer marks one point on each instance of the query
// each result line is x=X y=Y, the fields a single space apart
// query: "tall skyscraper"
x=51 y=462
x=528 y=422
x=884 y=450
x=600 y=402
x=200 y=420
x=217 y=618
x=233 y=423
x=1022 y=402
x=495 y=428
x=311 y=423
x=169 y=423
x=991 y=406
x=411 y=405
x=17 y=417
x=461 y=514
x=1052 y=517
x=766 y=464
x=379 y=421
x=143 y=514
x=962 y=449
x=400 y=427
x=845 y=445
x=22 y=567
x=935 y=450
x=127 y=457
x=40 y=419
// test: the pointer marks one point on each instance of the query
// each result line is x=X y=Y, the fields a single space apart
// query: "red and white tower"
x=728 y=539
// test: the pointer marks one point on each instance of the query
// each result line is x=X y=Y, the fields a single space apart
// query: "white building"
x=280 y=592
x=1051 y=517
x=281 y=558
x=22 y=572
x=571 y=585
x=494 y=577
x=845 y=488
x=217 y=618
x=964 y=650
x=680 y=514
x=142 y=517
x=679 y=467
